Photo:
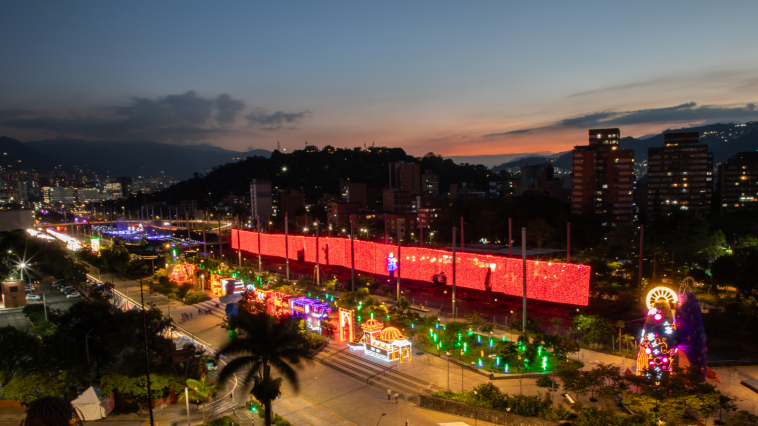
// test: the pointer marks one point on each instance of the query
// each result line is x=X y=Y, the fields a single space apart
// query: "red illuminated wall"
x=553 y=282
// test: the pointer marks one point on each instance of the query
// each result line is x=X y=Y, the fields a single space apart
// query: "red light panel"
x=553 y=282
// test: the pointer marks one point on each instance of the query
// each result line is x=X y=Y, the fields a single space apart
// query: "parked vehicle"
x=73 y=295
x=33 y=297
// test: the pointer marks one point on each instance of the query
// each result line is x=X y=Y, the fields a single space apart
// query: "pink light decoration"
x=553 y=282
x=658 y=317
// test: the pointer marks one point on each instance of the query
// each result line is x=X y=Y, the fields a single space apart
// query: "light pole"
x=186 y=390
x=86 y=345
x=380 y=418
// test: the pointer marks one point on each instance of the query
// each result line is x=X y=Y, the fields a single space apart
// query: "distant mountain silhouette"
x=139 y=158
x=15 y=155
x=724 y=141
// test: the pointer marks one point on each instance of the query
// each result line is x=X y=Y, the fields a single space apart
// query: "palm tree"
x=268 y=341
x=620 y=324
x=200 y=390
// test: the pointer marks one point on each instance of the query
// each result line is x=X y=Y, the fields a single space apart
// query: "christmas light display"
x=692 y=349
x=387 y=344
x=550 y=281
x=658 y=341
x=183 y=274
x=346 y=327
x=95 y=244
x=312 y=311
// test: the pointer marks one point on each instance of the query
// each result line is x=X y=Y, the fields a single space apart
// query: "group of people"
x=186 y=317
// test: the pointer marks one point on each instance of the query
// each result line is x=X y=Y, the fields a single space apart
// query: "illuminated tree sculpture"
x=658 y=342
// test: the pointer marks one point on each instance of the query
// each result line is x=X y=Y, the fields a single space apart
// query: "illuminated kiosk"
x=384 y=343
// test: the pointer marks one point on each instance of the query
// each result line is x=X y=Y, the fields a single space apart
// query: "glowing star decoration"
x=658 y=346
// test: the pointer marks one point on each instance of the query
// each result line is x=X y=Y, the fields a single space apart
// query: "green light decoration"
x=470 y=332
x=539 y=350
x=359 y=318
x=503 y=338
x=464 y=347
x=478 y=338
x=372 y=315
x=480 y=363
x=498 y=362
x=437 y=325
x=460 y=336
x=490 y=342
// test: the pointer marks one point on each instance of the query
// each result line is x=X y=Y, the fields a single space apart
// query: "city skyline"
x=452 y=79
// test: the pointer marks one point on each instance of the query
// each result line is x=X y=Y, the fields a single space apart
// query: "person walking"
x=397 y=395
x=389 y=395
x=190 y=315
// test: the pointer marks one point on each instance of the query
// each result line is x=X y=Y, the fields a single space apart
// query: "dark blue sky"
x=449 y=77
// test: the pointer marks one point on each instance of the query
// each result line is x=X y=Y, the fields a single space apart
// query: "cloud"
x=685 y=113
x=260 y=117
x=186 y=117
x=227 y=109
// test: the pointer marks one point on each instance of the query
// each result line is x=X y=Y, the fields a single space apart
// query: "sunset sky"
x=456 y=78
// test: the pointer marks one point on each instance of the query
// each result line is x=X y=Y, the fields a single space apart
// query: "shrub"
x=223 y=421
x=192 y=297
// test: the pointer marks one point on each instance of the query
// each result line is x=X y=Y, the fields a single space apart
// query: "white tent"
x=88 y=403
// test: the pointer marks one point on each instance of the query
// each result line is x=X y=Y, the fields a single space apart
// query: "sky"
x=450 y=77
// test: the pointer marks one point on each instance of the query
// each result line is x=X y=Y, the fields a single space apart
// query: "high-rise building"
x=58 y=195
x=261 y=199
x=291 y=202
x=86 y=195
x=680 y=175
x=431 y=183
x=338 y=212
x=738 y=183
x=406 y=177
x=354 y=192
x=398 y=201
x=602 y=176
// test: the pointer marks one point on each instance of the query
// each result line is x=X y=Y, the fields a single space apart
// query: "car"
x=72 y=295
x=33 y=297
x=70 y=290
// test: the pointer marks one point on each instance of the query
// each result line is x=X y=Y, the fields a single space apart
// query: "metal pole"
x=205 y=241
x=352 y=253
x=258 y=223
x=568 y=242
x=386 y=235
x=147 y=354
x=186 y=216
x=523 y=260
x=239 y=247
x=44 y=302
x=461 y=233
x=398 y=260
x=510 y=238
x=286 y=244
x=318 y=265
x=420 y=233
x=453 y=297
x=186 y=399
x=639 y=279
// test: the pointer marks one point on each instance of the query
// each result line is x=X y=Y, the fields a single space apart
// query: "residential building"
x=406 y=177
x=338 y=212
x=354 y=193
x=431 y=183
x=291 y=202
x=602 y=176
x=406 y=223
x=738 y=183
x=113 y=191
x=398 y=201
x=680 y=175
